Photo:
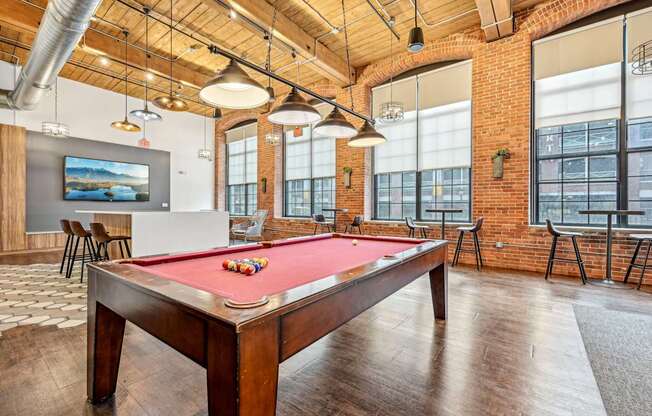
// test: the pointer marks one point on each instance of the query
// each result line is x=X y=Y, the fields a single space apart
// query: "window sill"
x=593 y=228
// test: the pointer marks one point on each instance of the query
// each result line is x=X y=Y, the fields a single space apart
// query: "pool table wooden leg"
x=105 y=332
x=242 y=370
x=439 y=290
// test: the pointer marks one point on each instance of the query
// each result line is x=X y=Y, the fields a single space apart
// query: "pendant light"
x=145 y=114
x=204 y=152
x=335 y=125
x=295 y=110
x=268 y=66
x=171 y=102
x=415 y=40
x=391 y=111
x=367 y=136
x=143 y=142
x=54 y=128
x=217 y=114
x=126 y=125
x=233 y=88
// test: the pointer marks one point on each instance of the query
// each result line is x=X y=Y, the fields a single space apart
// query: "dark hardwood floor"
x=510 y=347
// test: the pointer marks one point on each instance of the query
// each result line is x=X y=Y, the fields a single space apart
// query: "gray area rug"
x=619 y=347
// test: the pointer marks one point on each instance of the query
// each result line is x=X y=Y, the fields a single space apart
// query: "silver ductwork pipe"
x=64 y=23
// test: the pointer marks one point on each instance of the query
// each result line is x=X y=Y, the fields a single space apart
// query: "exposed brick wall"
x=501 y=118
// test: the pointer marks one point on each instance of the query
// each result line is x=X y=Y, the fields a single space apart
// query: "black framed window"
x=446 y=188
x=242 y=166
x=577 y=169
x=396 y=195
x=639 y=173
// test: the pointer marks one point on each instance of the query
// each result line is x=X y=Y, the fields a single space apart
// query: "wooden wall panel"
x=13 y=183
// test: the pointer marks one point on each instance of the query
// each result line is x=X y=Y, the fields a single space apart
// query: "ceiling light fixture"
x=54 y=128
x=391 y=111
x=335 y=125
x=415 y=41
x=143 y=142
x=232 y=14
x=145 y=114
x=268 y=65
x=171 y=102
x=272 y=138
x=294 y=110
x=233 y=88
x=126 y=125
x=642 y=59
x=217 y=114
x=104 y=61
x=205 y=152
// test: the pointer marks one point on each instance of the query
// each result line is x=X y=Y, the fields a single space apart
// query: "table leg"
x=443 y=225
x=608 y=281
x=334 y=221
x=439 y=290
x=242 y=370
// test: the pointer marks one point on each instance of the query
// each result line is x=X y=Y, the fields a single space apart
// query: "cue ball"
x=354 y=242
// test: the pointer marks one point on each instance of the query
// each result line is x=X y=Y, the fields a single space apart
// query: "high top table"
x=608 y=281
x=444 y=211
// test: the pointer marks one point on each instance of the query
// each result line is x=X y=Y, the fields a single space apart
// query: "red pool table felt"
x=291 y=263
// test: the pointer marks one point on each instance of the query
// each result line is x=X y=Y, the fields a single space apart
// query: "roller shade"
x=445 y=136
x=577 y=75
x=451 y=84
x=639 y=87
x=297 y=154
x=399 y=152
x=242 y=147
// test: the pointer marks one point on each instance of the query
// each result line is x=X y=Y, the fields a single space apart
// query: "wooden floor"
x=510 y=347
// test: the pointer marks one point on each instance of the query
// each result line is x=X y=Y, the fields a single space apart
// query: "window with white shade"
x=586 y=137
x=242 y=169
x=309 y=171
x=426 y=161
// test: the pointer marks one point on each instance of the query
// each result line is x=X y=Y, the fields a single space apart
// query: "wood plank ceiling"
x=319 y=21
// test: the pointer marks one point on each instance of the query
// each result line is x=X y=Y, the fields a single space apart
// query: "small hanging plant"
x=347 y=176
x=264 y=184
x=504 y=153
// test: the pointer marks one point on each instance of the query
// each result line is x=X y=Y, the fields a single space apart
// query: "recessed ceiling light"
x=149 y=76
x=232 y=14
x=335 y=31
x=104 y=60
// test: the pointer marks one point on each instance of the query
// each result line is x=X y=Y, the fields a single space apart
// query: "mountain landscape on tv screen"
x=101 y=180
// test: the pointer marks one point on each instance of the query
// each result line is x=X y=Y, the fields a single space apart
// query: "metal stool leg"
x=551 y=257
x=476 y=249
x=71 y=263
x=580 y=262
x=122 y=253
x=458 y=248
x=647 y=254
x=65 y=253
x=127 y=248
x=633 y=260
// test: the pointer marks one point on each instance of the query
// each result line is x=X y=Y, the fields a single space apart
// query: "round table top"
x=454 y=210
x=336 y=209
x=611 y=212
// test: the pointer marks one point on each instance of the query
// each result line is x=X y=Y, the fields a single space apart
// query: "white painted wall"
x=89 y=111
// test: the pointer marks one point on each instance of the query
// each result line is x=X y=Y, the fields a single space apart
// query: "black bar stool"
x=104 y=239
x=67 y=251
x=556 y=234
x=357 y=222
x=640 y=239
x=413 y=228
x=88 y=249
x=320 y=222
x=459 y=249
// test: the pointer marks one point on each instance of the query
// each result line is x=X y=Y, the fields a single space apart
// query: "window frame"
x=246 y=185
x=310 y=180
x=418 y=205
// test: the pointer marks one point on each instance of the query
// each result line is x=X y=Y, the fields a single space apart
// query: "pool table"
x=239 y=328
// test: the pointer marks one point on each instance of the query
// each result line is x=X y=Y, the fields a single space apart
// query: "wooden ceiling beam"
x=322 y=60
x=496 y=18
x=28 y=18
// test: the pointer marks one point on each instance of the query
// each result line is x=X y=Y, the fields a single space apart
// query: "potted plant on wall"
x=498 y=160
x=347 y=176
x=264 y=184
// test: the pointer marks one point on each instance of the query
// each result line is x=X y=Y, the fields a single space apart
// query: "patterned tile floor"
x=38 y=294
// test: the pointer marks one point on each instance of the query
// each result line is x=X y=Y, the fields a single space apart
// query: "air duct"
x=63 y=24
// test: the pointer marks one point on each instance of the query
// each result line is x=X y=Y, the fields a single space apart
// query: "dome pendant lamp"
x=367 y=136
x=145 y=114
x=126 y=125
x=170 y=102
x=233 y=88
x=294 y=111
x=415 y=40
x=335 y=125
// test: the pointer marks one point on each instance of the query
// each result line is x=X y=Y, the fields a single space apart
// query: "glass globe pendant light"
x=145 y=114
x=126 y=125
x=204 y=152
x=391 y=111
x=170 y=102
x=54 y=128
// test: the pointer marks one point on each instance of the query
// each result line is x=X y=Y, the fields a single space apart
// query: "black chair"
x=556 y=235
x=357 y=222
x=459 y=249
x=640 y=239
x=103 y=240
x=88 y=248
x=67 y=251
x=320 y=222
x=414 y=229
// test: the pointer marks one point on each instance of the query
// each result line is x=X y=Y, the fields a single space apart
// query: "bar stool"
x=357 y=222
x=104 y=239
x=640 y=239
x=413 y=228
x=67 y=251
x=88 y=249
x=556 y=234
x=320 y=221
x=474 y=229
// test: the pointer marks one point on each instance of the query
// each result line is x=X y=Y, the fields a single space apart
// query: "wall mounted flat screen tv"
x=104 y=180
